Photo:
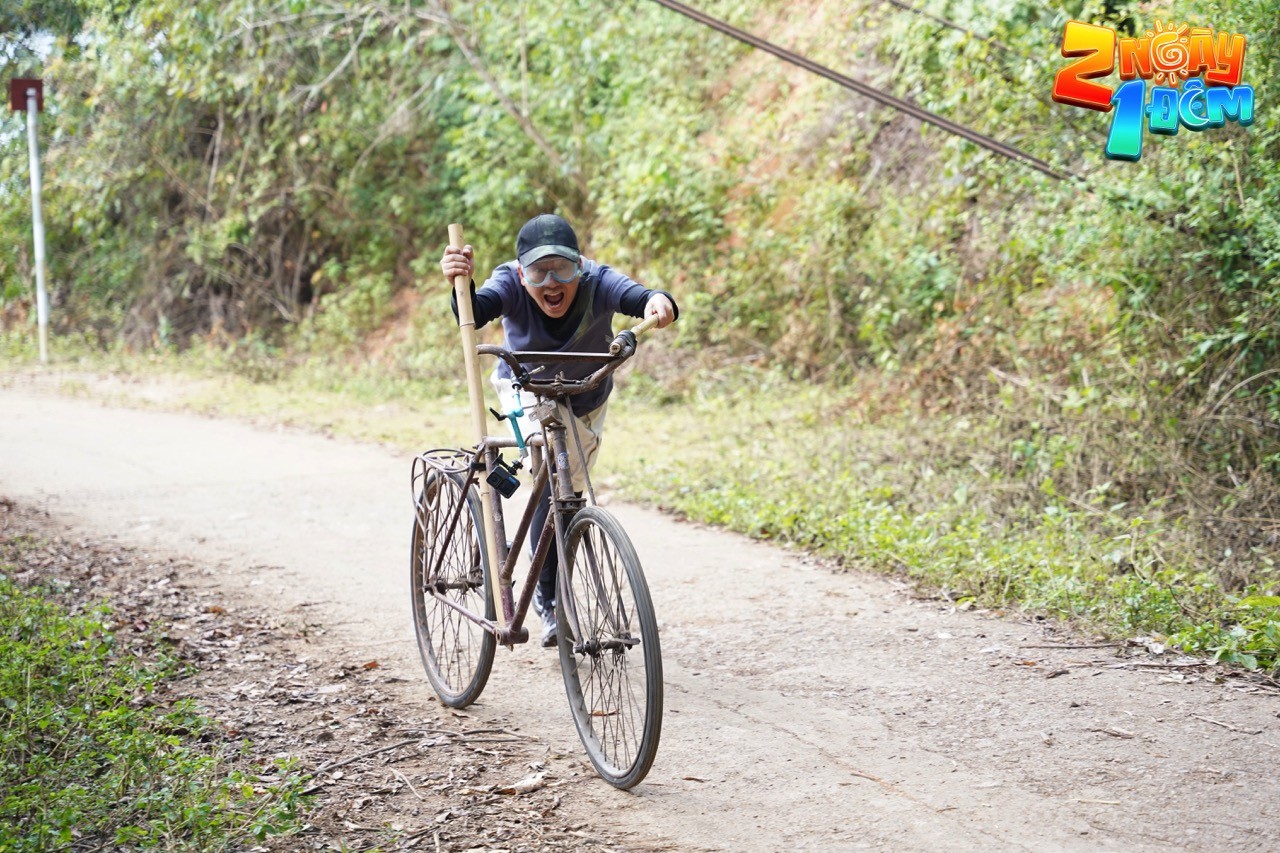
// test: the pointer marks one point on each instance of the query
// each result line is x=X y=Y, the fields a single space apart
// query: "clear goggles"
x=562 y=272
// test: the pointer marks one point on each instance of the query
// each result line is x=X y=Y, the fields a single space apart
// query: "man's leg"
x=546 y=580
x=590 y=430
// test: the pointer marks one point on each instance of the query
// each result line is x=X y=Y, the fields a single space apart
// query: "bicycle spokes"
x=448 y=577
x=610 y=657
x=607 y=608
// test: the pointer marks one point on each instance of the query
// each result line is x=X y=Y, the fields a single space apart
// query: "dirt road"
x=806 y=709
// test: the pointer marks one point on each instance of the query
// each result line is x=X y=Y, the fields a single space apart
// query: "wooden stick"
x=1114 y=732
x=328 y=766
x=475 y=390
x=641 y=328
x=405 y=780
x=1081 y=646
x=1228 y=726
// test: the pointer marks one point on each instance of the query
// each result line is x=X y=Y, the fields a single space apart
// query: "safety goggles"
x=562 y=273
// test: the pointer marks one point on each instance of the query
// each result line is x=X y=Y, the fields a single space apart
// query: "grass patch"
x=928 y=499
x=92 y=757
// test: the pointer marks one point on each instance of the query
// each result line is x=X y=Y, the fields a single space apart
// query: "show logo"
x=1196 y=76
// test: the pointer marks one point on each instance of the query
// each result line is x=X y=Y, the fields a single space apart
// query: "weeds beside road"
x=953 y=505
x=98 y=748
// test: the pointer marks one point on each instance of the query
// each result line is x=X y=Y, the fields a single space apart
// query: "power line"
x=869 y=91
x=1107 y=192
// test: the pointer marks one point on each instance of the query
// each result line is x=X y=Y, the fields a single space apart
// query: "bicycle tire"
x=607 y=632
x=456 y=652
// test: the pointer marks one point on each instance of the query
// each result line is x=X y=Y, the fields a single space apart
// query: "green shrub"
x=89 y=752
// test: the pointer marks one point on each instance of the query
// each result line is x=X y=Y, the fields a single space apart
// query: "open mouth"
x=554 y=299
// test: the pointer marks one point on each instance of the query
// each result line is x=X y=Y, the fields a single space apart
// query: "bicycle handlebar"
x=621 y=349
x=625 y=342
x=559 y=386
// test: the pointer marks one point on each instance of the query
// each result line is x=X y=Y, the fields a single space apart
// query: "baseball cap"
x=546 y=234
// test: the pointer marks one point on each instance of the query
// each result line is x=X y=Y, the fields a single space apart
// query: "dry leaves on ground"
x=382 y=776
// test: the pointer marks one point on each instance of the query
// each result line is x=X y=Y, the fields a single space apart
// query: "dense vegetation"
x=91 y=758
x=275 y=177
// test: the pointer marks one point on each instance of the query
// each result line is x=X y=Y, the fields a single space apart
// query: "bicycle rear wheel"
x=609 y=650
x=451 y=566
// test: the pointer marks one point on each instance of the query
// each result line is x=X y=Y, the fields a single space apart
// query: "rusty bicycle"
x=462 y=567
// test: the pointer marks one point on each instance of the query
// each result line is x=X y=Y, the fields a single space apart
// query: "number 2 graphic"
x=1096 y=47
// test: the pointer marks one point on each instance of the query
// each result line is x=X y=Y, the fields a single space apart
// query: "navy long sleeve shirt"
x=586 y=327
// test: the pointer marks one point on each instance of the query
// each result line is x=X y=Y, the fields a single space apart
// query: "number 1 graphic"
x=1125 y=140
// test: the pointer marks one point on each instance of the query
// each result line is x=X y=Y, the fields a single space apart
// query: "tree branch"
x=526 y=124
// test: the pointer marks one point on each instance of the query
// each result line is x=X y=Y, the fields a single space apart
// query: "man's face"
x=553 y=297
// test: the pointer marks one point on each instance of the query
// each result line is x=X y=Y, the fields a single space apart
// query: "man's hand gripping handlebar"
x=625 y=343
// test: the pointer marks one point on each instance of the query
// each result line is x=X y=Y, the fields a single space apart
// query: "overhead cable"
x=869 y=91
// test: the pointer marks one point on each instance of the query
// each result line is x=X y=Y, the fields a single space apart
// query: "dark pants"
x=547 y=580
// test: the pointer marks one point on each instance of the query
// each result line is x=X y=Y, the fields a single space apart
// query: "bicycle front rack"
x=431 y=468
x=452 y=462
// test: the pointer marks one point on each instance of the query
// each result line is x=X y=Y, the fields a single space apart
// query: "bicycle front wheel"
x=450 y=569
x=609 y=650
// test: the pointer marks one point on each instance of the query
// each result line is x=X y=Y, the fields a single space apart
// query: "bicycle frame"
x=553 y=398
x=563 y=506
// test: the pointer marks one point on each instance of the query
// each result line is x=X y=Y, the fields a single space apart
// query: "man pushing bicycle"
x=551 y=299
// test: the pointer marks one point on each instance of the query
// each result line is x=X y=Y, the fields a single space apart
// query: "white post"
x=37 y=224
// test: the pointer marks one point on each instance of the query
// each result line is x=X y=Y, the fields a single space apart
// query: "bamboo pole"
x=475 y=390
